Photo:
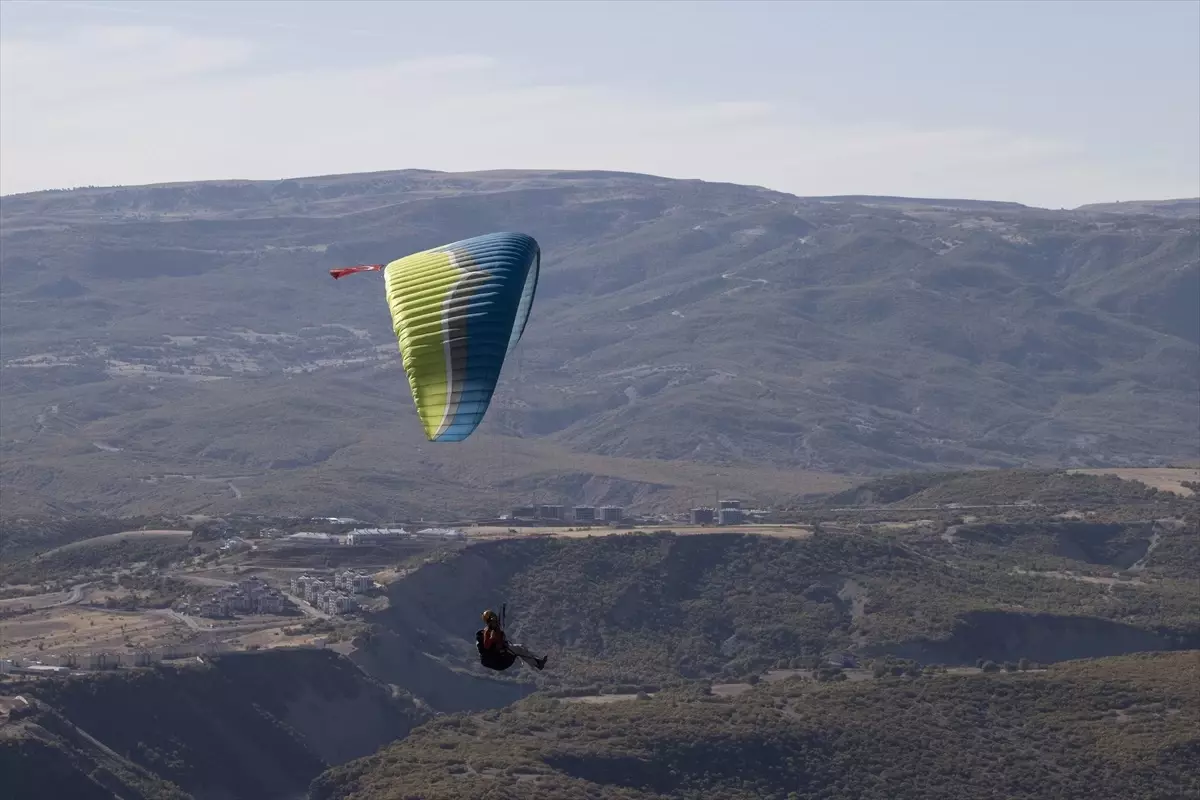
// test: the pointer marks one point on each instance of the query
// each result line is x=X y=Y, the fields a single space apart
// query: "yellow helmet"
x=489 y=616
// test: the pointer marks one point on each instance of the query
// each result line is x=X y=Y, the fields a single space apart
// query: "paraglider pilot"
x=496 y=652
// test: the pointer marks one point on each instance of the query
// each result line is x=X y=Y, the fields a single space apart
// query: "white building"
x=370 y=535
x=446 y=533
x=103 y=660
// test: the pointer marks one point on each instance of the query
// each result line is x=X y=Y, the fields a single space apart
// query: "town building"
x=336 y=595
x=360 y=536
x=249 y=596
x=551 y=512
x=731 y=516
x=612 y=513
x=444 y=533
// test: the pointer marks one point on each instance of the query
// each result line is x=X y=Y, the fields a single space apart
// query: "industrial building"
x=731 y=512
x=727 y=512
x=557 y=513
x=731 y=516
x=441 y=533
x=360 y=536
x=551 y=512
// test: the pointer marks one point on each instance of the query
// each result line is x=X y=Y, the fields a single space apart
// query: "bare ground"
x=74 y=628
x=116 y=537
x=578 y=532
x=1165 y=479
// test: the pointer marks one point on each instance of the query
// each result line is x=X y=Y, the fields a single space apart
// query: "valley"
x=1057 y=587
x=805 y=498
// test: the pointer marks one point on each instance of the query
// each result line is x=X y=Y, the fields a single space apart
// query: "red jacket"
x=493 y=639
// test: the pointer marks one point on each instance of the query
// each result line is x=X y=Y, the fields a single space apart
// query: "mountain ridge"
x=903 y=333
x=591 y=173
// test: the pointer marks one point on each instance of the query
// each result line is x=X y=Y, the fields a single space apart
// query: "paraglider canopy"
x=457 y=311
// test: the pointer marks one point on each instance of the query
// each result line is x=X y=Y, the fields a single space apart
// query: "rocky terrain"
x=261 y=724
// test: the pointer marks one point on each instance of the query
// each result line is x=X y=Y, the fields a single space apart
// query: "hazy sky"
x=1046 y=103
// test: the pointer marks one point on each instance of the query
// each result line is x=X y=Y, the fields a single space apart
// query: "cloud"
x=135 y=104
x=109 y=59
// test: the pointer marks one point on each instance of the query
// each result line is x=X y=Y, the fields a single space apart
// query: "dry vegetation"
x=112 y=538
x=1165 y=479
x=1115 y=729
x=261 y=725
x=699 y=663
x=77 y=629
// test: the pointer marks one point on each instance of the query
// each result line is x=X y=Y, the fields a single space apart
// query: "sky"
x=1053 y=104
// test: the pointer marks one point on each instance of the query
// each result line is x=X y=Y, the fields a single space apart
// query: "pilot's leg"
x=523 y=653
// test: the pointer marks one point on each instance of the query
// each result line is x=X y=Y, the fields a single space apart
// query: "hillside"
x=1184 y=208
x=648 y=609
x=200 y=358
x=858 y=654
x=262 y=724
x=1114 y=729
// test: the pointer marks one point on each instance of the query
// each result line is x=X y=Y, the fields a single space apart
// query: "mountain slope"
x=648 y=608
x=257 y=724
x=724 y=324
x=1108 y=729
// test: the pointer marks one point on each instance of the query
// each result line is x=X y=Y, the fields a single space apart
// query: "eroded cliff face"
x=424 y=640
x=258 y=724
x=441 y=683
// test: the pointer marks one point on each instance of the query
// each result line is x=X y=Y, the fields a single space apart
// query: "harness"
x=497 y=659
